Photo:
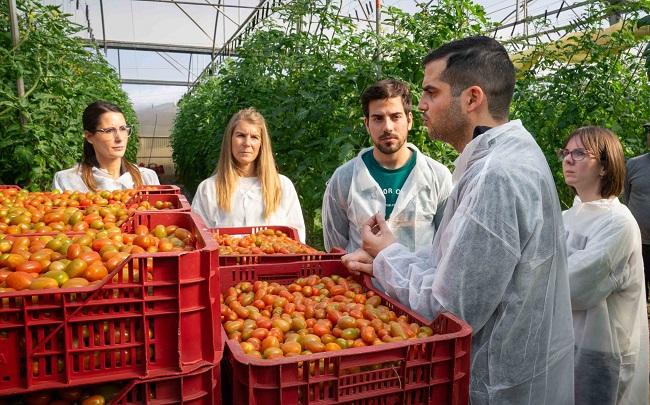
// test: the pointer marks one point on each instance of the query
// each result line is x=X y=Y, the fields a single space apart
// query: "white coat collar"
x=98 y=171
x=602 y=203
x=479 y=146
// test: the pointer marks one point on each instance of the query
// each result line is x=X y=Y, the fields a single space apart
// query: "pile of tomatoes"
x=96 y=395
x=310 y=315
x=146 y=205
x=267 y=241
x=23 y=212
x=62 y=261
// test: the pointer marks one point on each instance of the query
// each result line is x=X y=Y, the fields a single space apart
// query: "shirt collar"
x=478 y=146
x=364 y=177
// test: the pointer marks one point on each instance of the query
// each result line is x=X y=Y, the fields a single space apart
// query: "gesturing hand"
x=358 y=261
x=376 y=235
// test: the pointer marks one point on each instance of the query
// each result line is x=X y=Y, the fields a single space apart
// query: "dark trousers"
x=596 y=378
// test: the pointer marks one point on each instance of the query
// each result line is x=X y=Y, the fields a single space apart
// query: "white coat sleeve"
x=201 y=203
x=334 y=215
x=56 y=182
x=293 y=210
x=600 y=267
x=414 y=274
x=475 y=264
x=149 y=178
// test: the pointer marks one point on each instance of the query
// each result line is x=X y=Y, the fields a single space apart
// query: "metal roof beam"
x=153 y=47
x=156 y=82
x=206 y=3
x=544 y=15
x=230 y=46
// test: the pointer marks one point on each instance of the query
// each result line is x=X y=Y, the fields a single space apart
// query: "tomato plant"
x=308 y=90
x=555 y=97
x=62 y=76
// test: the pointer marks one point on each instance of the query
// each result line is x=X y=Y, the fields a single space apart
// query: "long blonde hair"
x=227 y=174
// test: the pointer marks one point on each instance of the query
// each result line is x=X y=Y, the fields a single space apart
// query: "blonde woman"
x=247 y=189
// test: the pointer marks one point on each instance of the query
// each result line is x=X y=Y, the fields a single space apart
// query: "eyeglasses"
x=576 y=154
x=123 y=130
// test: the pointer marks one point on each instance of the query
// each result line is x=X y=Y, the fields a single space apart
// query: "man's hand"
x=376 y=235
x=358 y=261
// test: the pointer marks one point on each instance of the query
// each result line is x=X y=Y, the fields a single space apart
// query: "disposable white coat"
x=70 y=179
x=499 y=263
x=247 y=206
x=352 y=196
x=608 y=300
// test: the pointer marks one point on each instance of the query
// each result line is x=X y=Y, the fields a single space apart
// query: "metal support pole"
x=189 y=70
x=15 y=38
x=214 y=35
x=524 y=7
x=378 y=17
x=119 y=64
x=378 y=32
x=101 y=9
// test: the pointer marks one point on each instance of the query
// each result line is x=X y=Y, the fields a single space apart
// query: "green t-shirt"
x=390 y=181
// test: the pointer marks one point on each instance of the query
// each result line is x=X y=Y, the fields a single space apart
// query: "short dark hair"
x=385 y=89
x=604 y=144
x=478 y=61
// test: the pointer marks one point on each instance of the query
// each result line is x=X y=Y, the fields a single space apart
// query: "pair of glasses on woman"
x=576 y=154
x=123 y=130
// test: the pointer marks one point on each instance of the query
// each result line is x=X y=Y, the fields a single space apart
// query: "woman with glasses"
x=605 y=274
x=103 y=166
x=247 y=189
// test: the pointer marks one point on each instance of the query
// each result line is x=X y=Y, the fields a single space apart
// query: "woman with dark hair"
x=103 y=166
x=605 y=274
x=247 y=189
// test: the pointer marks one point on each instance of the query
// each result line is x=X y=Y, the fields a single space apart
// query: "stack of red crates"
x=433 y=370
x=153 y=334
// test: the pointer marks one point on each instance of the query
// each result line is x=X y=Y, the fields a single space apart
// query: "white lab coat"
x=499 y=263
x=70 y=179
x=247 y=207
x=608 y=300
x=352 y=196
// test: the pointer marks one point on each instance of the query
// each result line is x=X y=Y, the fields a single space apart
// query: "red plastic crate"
x=199 y=387
x=179 y=201
x=126 y=327
x=160 y=189
x=292 y=233
x=433 y=370
x=202 y=387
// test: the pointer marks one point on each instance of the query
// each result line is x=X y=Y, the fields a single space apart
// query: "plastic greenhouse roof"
x=167 y=25
x=180 y=36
